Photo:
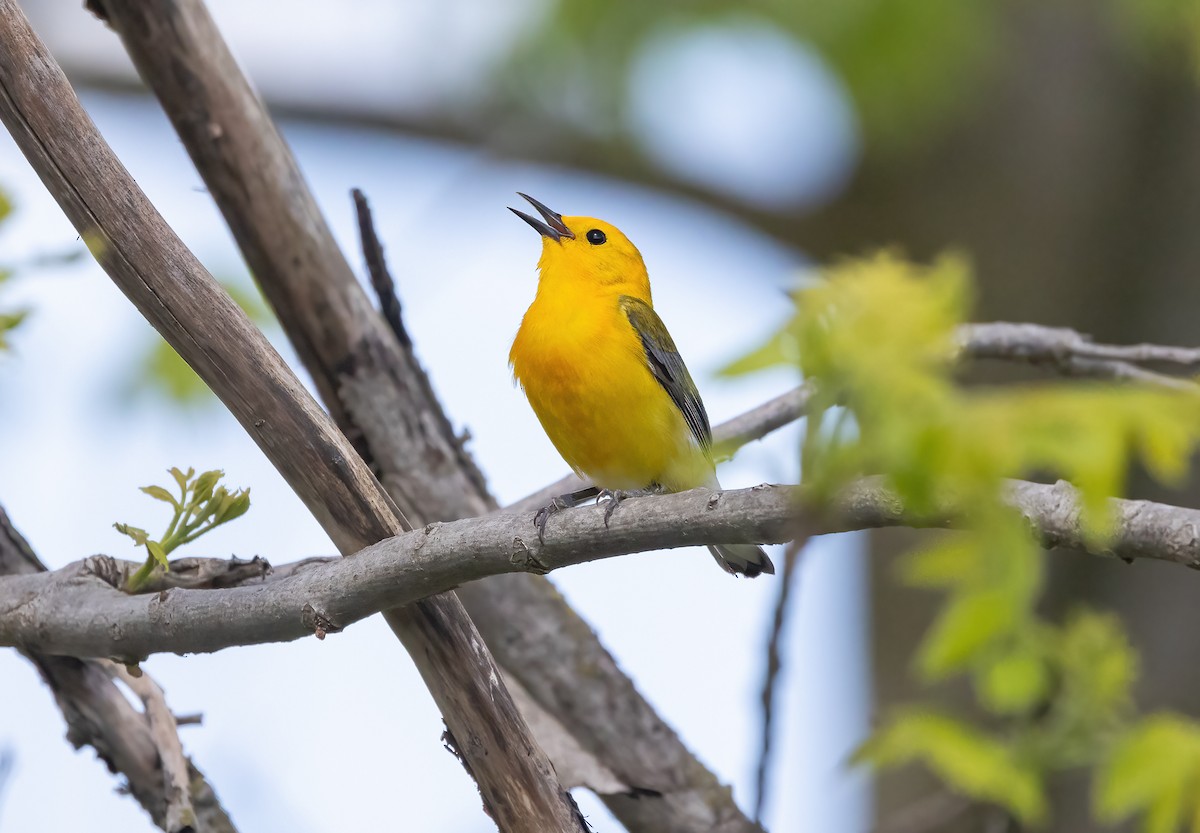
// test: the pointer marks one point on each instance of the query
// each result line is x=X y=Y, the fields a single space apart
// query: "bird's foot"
x=616 y=496
x=567 y=501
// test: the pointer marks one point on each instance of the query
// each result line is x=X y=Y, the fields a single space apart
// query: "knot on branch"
x=317 y=622
x=522 y=556
x=106 y=568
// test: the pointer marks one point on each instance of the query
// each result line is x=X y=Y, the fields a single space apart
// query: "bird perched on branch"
x=605 y=378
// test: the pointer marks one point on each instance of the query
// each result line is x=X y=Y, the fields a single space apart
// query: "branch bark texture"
x=177 y=295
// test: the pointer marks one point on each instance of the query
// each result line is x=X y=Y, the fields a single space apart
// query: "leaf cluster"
x=910 y=68
x=877 y=339
x=200 y=507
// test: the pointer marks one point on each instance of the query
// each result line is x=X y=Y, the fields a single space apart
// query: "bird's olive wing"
x=667 y=366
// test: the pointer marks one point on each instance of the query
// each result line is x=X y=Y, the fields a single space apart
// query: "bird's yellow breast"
x=584 y=370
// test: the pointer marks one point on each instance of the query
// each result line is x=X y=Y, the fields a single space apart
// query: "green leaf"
x=970 y=623
x=1151 y=770
x=181 y=478
x=1013 y=683
x=157 y=553
x=234 y=506
x=202 y=488
x=164 y=371
x=1097 y=664
x=966 y=759
x=159 y=493
x=949 y=563
x=139 y=536
x=10 y=321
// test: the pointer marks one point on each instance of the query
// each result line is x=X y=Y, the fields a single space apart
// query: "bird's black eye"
x=596 y=237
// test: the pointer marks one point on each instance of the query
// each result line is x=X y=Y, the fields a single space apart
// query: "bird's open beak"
x=554 y=227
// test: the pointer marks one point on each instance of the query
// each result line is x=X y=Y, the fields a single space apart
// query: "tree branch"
x=172 y=289
x=1075 y=354
x=75 y=611
x=180 y=814
x=100 y=716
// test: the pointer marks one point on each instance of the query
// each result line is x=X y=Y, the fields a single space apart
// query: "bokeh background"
x=1056 y=143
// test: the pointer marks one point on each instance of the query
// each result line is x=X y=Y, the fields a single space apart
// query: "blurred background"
x=1056 y=143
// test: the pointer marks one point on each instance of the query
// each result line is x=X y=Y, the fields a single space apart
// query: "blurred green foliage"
x=908 y=66
x=905 y=64
x=877 y=338
x=1162 y=26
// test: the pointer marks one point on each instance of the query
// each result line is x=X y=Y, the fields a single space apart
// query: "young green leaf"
x=139 y=536
x=159 y=493
x=203 y=486
x=181 y=478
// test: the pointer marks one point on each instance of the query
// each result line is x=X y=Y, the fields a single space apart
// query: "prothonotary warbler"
x=604 y=377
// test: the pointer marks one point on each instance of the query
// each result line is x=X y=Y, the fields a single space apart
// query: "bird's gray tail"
x=746 y=560
x=742 y=559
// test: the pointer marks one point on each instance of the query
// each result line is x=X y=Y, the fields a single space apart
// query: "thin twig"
x=377 y=268
x=789 y=577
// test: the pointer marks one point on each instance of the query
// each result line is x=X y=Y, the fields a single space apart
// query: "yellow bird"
x=604 y=377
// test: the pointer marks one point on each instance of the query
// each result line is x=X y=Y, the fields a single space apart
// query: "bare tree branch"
x=99 y=715
x=173 y=290
x=75 y=611
x=788 y=578
x=1075 y=354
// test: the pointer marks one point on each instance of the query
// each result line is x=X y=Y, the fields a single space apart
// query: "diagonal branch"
x=76 y=611
x=99 y=715
x=179 y=297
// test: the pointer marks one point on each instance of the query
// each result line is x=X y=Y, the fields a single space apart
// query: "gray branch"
x=1075 y=354
x=75 y=611
x=99 y=715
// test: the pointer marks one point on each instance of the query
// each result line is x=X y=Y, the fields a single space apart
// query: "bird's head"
x=585 y=251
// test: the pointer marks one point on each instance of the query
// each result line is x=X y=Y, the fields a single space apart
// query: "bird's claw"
x=614 y=498
x=555 y=505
